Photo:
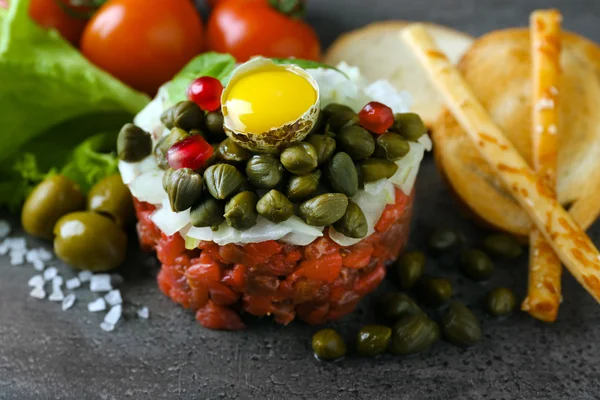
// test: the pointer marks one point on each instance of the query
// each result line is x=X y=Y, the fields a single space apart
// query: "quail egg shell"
x=267 y=106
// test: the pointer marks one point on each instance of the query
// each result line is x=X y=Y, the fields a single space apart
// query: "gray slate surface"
x=48 y=354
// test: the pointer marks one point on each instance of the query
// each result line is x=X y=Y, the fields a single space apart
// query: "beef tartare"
x=286 y=192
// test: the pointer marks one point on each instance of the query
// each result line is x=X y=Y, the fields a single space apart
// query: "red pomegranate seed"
x=376 y=117
x=191 y=153
x=206 y=93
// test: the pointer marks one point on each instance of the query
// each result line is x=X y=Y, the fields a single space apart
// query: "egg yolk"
x=267 y=99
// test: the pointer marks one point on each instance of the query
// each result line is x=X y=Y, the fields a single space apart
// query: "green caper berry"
x=240 y=211
x=324 y=146
x=342 y=174
x=354 y=223
x=183 y=186
x=414 y=334
x=444 y=239
x=133 y=143
x=373 y=339
x=301 y=187
x=208 y=212
x=434 y=291
x=500 y=301
x=460 y=326
x=275 y=207
x=324 y=210
x=222 y=180
x=264 y=171
x=186 y=115
x=229 y=150
x=375 y=169
x=300 y=158
x=391 y=146
x=328 y=345
x=476 y=264
x=503 y=245
x=357 y=142
x=213 y=121
x=409 y=268
x=409 y=125
x=397 y=305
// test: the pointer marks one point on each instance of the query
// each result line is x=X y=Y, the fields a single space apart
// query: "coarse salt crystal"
x=114 y=315
x=4 y=229
x=17 y=244
x=85 y=276
x=57 y=281
x=36 y=280
x=97 y=305
x=73 y=283
x=56 y=295
x=143 y=313
x=100 y=283
x=50 y=273
x=105 y=326
x=38 y=265
x=38 y=292
x=31 y=255
x=114 y=297
x=3 y=249
x=68 y=301
x=44 y=254
x=17 y=258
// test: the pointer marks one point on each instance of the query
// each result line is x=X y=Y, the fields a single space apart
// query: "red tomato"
x=50 y=14
x=246 y=28
x=143 y=43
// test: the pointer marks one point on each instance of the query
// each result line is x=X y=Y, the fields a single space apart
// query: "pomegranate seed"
x=206 y=93
x=376 y=117
x=191 y=153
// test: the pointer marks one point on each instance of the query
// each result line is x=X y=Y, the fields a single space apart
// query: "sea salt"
x=16 y=244
x=113 y=297
x=44 y=254
x=4 y=229
x=105 y=326
x=17 y=258
x=73 y=283
x=50 y=273
x=85 y=276
x=143 y=313
x=39 y=265
x=68 y=301
x=97 y=305
x=100 y=283
x=38 y=292
x=3 y=249
x=57 y=282
x=114 y=315
x=56 y=295
x=35 y=281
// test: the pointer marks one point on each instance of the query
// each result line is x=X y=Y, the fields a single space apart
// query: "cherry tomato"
x=246 y=28
x=143 y=43
x=51 y=14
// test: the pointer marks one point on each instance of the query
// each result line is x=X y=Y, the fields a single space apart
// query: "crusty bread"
x=380 y=54
x=498 y=68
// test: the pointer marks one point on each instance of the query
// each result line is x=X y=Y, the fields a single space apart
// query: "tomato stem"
x=292 y=8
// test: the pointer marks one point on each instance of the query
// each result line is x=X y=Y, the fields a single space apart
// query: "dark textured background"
x=49 y=354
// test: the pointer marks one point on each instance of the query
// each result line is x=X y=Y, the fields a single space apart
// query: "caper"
x=356 y=141
x=335 y=108
x=373 y=339
x=183 y=186
x=213 y=121
x=503 y=245
x=476 y=264
x=302 y=187
x=342 y=174
x=374 y=169
x=275 y=207
x=328 y=345
x=207 y=212
x=339 y=116
x=324 y=146
x=460 y=326
x=500 y=301
x=54 y=197
x=185 y=115
x=110 y=196
x=409 y=125
x=165 y=143
x=222 y=180
x=397 y=305
x=90 y=241
x=264 y=171
x=414 y=334
x=299 y=158
x=240 y=211
x=391 y=146
x=228 y=150
x=324 y=209
x=133 y=143
x=444 y=239
x=434 y=291
x=354 y=223
x=409 y=268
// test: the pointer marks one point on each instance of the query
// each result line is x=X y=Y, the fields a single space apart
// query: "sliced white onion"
x=263 y=231
x=375 y=188
x=226 y=234
x=130 y=171
x=425 y=140
x=191 y=243
x=148 y=187
x=301 y=234
x=170 y=222
x=204 y=234
x=408 y=168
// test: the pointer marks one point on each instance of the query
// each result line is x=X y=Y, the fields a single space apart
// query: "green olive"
x=444 y=239
x=328 y=345
x=213 y=121
x=133 y=143
x=275 y=207
x=324 y=209
x=434 y=291
x=476 y=264
x=460 y=326
x=414 y=334
x=409 y=125
x=374 y=169
x=500 y=301
x=222 y=180
x=183 y=186
x=356 y=141
x=300 y=158
x=54 y=197
x=391 y=146
x=165 y=143
x=240 y=211
x=207 y=212
x=342 y=174
x=111 y=197
x=409 y=268
x=503 y=245
x=302 y=187
x=324 y=146
x=90 y=241
x=264 y=171
x=373 y=339
x=396 y=305
x=228 y=150
x=185 y=115
x=354 y=223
